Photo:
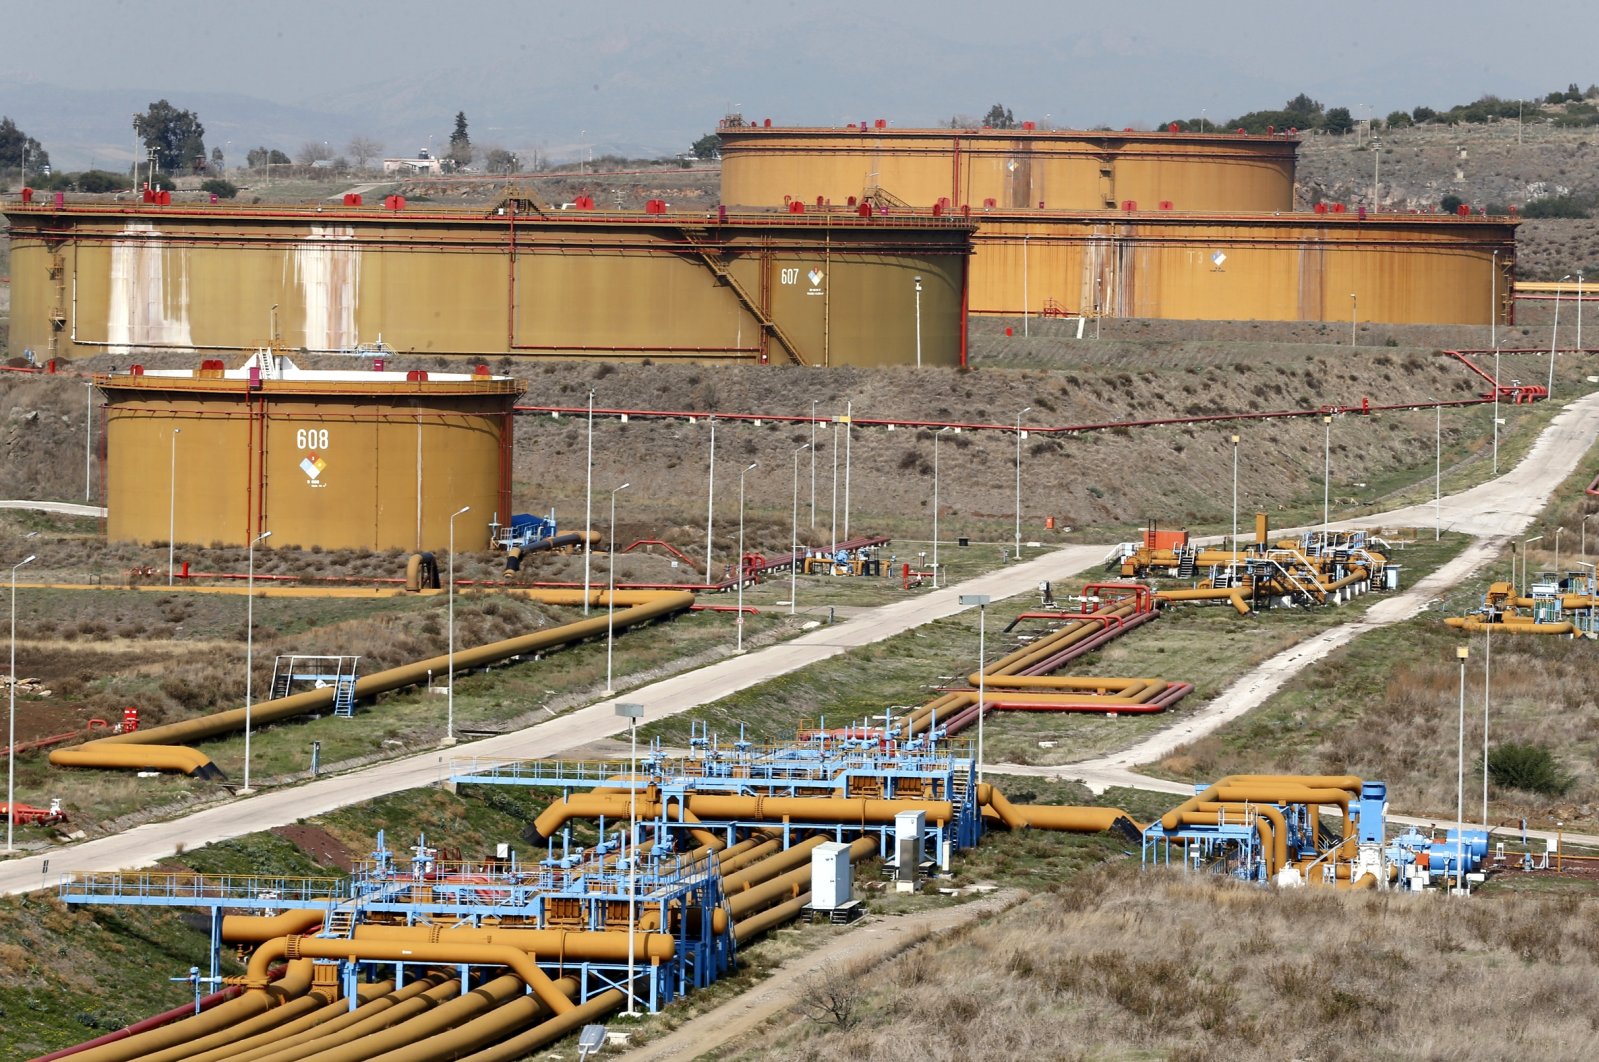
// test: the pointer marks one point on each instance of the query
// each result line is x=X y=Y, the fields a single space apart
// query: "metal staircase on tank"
x=1187 y=563
x=768 y=325
x=340 y=672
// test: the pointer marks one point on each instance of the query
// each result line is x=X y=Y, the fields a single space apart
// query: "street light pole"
x=1354 y=314
x=249 y=655
x=632 y=713
x=588 y=506
x=1496 y=409
x=918 y=322
x=1437 y=472
x=1460 y=780
x=740 y=561
x=1232 y=565
x=172 y=501
x=813 y=464
x=1579 y=309
x=1487 y=656
x=1493 y=304
x=610 y=596
x=1585 y=520
x=1026 y=410
x=1326 y=475
x=11 y=714
x=1526 y=572
x=981 y=601
x=833 y=498
x=793 y=536
x=710 y=498
x=1025 y=314
x=88 y=441
x=936 y=434
x=449 y=685
x=1554 y=340
x=1558 y=531
x=849 y=430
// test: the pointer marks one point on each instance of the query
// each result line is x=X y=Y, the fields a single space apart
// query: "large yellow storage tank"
x=336 y=459
x=831 y=288
x=1009 y=168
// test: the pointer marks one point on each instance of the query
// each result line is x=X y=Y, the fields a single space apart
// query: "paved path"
x=65 y=508
x=149 y=843
x=875 y=939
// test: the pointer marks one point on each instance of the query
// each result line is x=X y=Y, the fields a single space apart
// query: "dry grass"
x=1118 y=964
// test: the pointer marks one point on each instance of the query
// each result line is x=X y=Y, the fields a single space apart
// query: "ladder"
x=1187 y=563
x=340 y=672
x=752 y=306
x=340 y=924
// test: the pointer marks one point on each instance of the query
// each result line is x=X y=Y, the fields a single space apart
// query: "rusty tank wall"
x=819 y=289
x=1401 y=269
x=1016 y=168
x=369 y=465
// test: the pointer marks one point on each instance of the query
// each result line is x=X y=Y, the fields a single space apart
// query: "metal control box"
x=832 y=881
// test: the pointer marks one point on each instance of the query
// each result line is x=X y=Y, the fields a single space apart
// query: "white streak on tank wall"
x=327 y=268
x=146 y=309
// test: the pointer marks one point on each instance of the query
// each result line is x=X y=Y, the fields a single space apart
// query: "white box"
x=832 y=881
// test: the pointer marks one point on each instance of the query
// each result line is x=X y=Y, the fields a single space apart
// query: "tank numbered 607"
x=789 y=276
x=311 y=439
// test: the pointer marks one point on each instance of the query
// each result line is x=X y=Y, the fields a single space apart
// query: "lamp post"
x=1376 y=168
x=981 y=601
x=610 y=594
x=813 y=464
x=740 y=562
x=1493 y=306
x=1326 y=475
x=710 y=498
x=1233 y=564
x=1025 y=410
x=1526 y=572
x=632 y=713
x=1025 y=315
x=588 y=506
x=1579 y=309
x=793 y=536
x=936 y=434
x=1496 y=409
x=849 y=430
x=1354 y=313
x=11 y=714
x=918 y=322
x=249 y=655
x=1554 y=337
x=1437 y=472
x=172 y=501
x=1487 y=656
x=833 y=497
x=449 y=685
x=1585 y=520
x=88 y=440
x=1460 y=780
x=1558 y=531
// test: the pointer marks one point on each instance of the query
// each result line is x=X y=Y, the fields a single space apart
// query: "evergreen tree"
x=460 y=142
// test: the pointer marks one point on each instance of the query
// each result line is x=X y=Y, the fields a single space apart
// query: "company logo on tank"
x=312 y=465
x=815 y=277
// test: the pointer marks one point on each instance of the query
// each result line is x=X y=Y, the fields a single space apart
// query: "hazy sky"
x=651 y=77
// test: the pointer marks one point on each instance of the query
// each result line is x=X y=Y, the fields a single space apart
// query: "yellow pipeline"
x=795 y=855
x=1110 y=690
x=252 y=929
x=1274 y=844
x=551 y=944
x=158 y=747
x=274 y=1027
x=546 y=1032
x=481 y=1031
x=1511 y=626
x=1047 y=817
x=516 y=959
x=402 y=1039
x=1269 y=840
x=1236 y=595
x=381 y=1012
x=758 y=923
x=767 y=809
x=296 y=982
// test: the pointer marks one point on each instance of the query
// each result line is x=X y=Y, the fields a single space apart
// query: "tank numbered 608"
x=311 y=439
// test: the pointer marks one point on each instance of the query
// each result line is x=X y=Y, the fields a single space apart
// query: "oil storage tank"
x=786 y=286
x=330 y=458
x=1027 y=167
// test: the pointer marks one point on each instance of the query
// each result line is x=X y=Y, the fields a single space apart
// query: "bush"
x=1556 y=206
x=1527 y=767
x=220 y=188
x=101 y=181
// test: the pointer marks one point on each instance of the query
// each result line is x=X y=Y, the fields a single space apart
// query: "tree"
x=313 y=151
x=460 y=142
x=101 y=181
x=216 y=158
x=1449 y=204
x=260 y=157
x=1423 y=114
x=220 y=188
x=1397 y=120
x=14 y=144
x=1338 y=121
x=708 y=146
x=999 y=117
x=177 y=137
x=499 y=160
x=363 y=150
x=1305 y=110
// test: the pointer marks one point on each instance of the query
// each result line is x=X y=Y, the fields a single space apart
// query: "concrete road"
x=65 y=508
x=558 y=737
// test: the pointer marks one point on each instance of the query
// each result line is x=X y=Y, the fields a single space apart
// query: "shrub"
x=220 y=188
x=1528 y=767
